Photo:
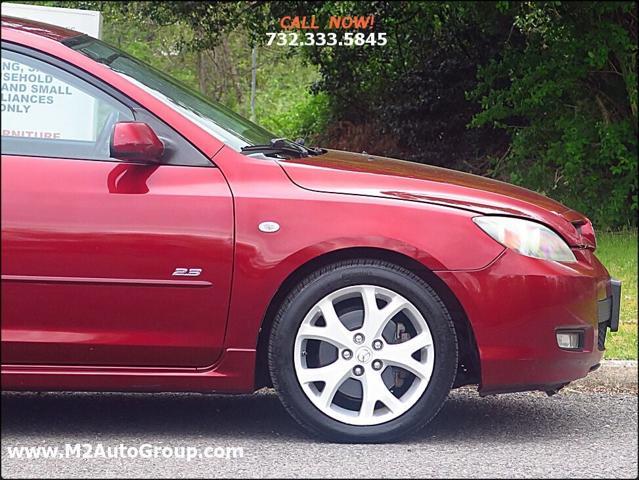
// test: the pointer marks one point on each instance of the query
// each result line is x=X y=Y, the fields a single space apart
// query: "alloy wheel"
x=364 y=355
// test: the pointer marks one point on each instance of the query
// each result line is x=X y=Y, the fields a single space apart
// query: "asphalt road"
x=573 y=434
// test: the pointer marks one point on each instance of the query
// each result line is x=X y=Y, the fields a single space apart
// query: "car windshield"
x=220 y=121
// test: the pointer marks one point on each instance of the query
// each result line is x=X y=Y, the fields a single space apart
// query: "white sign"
x=36 y=104
x=84 y=21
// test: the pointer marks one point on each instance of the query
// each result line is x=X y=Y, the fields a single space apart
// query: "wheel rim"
x=364 y=355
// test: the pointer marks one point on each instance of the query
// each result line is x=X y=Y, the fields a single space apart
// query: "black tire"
x=329 y=279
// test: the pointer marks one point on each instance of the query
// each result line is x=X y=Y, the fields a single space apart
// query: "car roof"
x=52 y=32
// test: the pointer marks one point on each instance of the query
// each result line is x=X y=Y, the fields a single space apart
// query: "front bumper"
x=517 y=304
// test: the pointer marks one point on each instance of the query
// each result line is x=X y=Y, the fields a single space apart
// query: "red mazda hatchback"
x=153 y=240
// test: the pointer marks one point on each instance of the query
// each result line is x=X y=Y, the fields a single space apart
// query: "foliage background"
x=541 y=94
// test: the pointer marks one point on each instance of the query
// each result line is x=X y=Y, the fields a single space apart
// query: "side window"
x=48 y=112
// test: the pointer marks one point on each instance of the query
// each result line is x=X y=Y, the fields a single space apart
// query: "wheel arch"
x=468 y=371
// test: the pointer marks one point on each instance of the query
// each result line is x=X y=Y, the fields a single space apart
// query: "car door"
x=105 y=262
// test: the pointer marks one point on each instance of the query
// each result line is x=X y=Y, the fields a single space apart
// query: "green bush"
x=304 y=117
x=565 y=87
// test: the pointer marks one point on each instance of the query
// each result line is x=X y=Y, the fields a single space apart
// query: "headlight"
x=528 y=238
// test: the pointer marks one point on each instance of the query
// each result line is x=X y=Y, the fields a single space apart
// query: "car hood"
x=370 y=175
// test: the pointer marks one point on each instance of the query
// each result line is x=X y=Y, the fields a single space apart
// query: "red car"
x=153 y=240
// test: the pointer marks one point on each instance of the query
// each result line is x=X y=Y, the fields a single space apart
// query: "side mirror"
x=136 y=141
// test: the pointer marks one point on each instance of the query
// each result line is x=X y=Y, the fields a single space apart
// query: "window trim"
x=199 y=160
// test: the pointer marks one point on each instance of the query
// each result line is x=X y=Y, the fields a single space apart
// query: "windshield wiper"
x=281 y=146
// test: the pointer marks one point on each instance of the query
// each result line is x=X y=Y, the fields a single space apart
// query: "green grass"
x=618 y=252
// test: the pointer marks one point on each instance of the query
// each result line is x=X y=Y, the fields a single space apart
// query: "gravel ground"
x=573 y=434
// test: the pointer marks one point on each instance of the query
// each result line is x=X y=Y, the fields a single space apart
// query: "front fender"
x=316 y=223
